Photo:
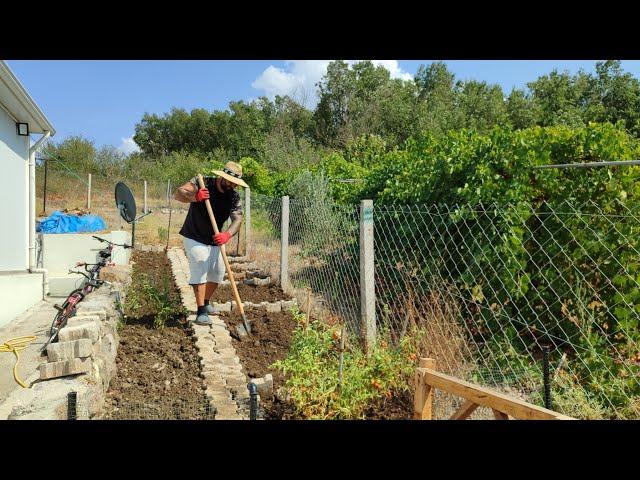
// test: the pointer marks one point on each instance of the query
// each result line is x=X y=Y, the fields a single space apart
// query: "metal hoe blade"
x=244 y=329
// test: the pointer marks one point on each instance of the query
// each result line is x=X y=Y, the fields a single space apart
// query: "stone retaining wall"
x=82 y=361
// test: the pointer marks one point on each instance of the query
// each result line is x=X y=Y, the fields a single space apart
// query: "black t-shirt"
x=197 y=226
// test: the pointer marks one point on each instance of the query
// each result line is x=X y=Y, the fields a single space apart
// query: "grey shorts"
x=205 y=262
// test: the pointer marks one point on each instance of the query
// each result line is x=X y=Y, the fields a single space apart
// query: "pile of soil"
x=250 y=293
x=158 y=370
x=271 y=335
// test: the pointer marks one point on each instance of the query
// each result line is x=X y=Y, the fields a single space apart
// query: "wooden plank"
x=499 y=415
x=423 y=397
x=487 y=398
x=464 y=411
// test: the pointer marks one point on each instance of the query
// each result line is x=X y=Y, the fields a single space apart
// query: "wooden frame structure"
x=503 y=406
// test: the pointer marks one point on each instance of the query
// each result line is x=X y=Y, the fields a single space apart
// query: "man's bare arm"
x=236 y=221
x=186 y=193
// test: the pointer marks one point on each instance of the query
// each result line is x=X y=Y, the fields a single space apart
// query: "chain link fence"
x=160 y=409
x=490 y=287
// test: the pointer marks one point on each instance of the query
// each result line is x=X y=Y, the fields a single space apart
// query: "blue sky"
x=103 y=100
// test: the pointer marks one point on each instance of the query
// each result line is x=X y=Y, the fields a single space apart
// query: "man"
x=200 y=243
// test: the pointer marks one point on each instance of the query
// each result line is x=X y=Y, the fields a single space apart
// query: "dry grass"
x=435 y=318
x=69 y=193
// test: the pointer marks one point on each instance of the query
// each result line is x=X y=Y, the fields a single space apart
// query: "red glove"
x=202 y=195
x=221 y=238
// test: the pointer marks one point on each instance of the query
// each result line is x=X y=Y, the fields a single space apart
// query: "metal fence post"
x=284 y=244
x=145 y=197
x=44 y=196
x=367 y=287
x=89 y=194
x=545 y=372
x=72 y=406
x=247 y=222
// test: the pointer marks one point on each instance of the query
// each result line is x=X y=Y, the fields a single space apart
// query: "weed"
x=163 y=234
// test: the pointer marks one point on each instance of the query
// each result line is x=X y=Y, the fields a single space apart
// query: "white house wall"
x=14 y=208
x=18 y=291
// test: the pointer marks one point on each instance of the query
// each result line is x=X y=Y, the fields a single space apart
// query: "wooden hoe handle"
x=223 y=250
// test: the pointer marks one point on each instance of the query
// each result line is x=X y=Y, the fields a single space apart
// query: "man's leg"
x=200 y=290
x=211 y=288
x=199 y=259
x=215 y=274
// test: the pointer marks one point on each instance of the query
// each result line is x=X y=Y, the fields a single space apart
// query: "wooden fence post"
x=423 y=397
x=89 y=194
x=247 y=223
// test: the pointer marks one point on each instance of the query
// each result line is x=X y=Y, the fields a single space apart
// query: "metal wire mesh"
x=324 y=256
x=488 y=286
x=159 y=409
x=493 y=284
x=323 y=250
x=266 y=220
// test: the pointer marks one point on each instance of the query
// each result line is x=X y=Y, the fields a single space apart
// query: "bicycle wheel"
x=58 y=322
x=66 y=311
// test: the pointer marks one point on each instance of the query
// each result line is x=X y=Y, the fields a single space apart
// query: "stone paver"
x=214 y=349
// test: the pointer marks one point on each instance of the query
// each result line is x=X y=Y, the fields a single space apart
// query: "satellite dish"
x=125 y=202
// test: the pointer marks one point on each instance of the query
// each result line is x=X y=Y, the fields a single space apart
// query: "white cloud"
x=128 y=146
x=394 y=69
x=298 y=78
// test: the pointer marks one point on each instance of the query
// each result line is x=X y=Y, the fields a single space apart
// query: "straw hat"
x=232 y=172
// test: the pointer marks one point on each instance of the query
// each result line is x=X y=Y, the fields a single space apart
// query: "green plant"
x=145 y=293
x=312 y=371
x=163 y=234
x=160 y=299
x=132 y=302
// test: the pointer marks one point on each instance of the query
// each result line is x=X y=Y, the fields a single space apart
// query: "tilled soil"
x=158 y=370
x=271 y=335
x=250 y=293
x=398 y=407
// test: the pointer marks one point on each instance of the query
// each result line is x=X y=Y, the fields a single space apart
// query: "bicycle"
x=68 y=309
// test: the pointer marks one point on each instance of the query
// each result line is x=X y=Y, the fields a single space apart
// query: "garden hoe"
x=245 y=328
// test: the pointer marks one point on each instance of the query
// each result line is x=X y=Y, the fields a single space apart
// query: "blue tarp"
x=59 y=222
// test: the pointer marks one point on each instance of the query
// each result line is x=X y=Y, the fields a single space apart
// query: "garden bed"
x=270 y=341
x=250 y=293
x=158 y=370
x=271 y=334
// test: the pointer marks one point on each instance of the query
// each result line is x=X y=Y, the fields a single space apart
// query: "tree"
x=619 y=94
x=75 y=152
x=437 y=111
x=348 y=101
x=557 y=99
x=521 y=110
x=482 y=106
